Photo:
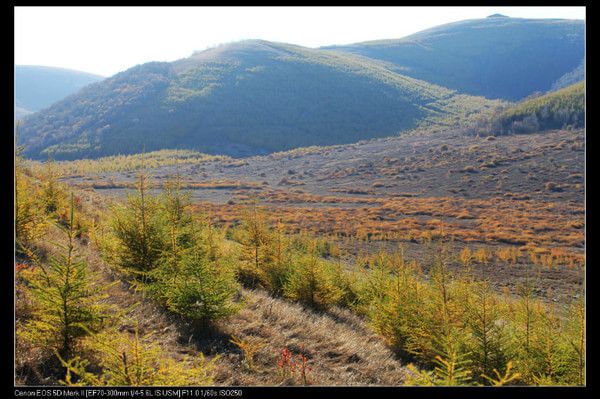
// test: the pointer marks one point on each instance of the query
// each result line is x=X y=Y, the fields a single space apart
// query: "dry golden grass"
x=340 y=348
x=207 y=184
x=501 y=220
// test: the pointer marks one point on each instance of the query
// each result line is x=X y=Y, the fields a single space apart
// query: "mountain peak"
x=498 y=16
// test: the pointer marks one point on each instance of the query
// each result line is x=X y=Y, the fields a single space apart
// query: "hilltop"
x=495 y=57
x=251 y=97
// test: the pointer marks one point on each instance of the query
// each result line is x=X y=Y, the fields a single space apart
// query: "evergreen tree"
x=30 y=219
x=205 y=287
x=204 y=292
x=130 y=360
x=179 y=222
x=524 y=321
x=176 y=205
x=576 y=341
x=140 y=230
x=483 y=318
x=66 y=297
x=278 y=261
x=255 y=240
x=311 y=281
x=51 y=195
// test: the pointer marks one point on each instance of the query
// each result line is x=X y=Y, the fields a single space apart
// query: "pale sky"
x=107 y=40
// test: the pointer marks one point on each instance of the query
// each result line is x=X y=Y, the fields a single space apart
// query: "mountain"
x=250 y=97
x=37 y=87
x=495 y=57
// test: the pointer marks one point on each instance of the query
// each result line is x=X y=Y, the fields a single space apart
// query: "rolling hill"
x=244 y=98
x=495 y=57
x=556 y=110
x=37 y=87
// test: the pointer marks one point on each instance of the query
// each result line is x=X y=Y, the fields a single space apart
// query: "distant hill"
x=250 y=97
x=495 y=57
x=37 y=87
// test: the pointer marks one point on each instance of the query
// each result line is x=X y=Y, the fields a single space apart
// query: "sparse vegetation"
x=124 y=163
x=453 y=324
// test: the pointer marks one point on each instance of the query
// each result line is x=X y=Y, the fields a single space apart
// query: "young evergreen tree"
x=483 y=318
x=51 y=196
x=276 y=270
x=30 y=218
x=524 y=321
x=179 y=221
x=549 y=354
x=576 y=340
x=176 y=205
x=396 y=314
x=66 y=295
x=311 y=281
x=255 y=240
x=130 y=360
x=140 y=230
x=205 y=287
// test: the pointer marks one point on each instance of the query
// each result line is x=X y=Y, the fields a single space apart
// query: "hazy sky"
x=107 y=40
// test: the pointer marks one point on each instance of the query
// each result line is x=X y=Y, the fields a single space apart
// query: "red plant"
x=304 y=369
x=288 y=367
x=285 y=363
x=21 y=266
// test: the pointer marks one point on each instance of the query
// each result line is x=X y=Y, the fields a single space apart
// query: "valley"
x=397 y=212
x=495 y=192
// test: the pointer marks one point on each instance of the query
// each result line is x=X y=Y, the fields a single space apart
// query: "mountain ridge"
x=256 y=97
x=507 y=58
x=239 y=99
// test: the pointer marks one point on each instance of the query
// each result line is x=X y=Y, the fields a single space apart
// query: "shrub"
x=249 y=349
